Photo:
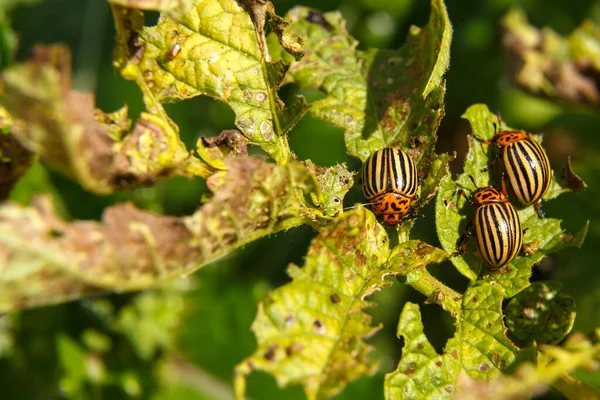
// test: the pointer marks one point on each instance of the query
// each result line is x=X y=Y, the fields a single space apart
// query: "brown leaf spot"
x=289 y=321
x=294 y=348
x=439 y=363
x=335 y=298
x=448 y=389
x=495 y=358
x=318 y=326
x=484 y=367
x=270 y=353
x=409 y=371
x=454 y=354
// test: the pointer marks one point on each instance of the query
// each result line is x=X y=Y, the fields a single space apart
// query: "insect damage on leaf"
x=531 y=379
x=69 y=134
x=479 y=348
x=421 y=372
x=311 y=330
x=542 y=236
x=217 y=49
x=545 y=64
x=45 y=260
x=541 y=313
x=382 y=98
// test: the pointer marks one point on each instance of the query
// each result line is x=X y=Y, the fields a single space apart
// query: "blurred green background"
x=183 y=341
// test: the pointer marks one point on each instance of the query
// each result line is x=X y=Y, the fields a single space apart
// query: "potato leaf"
x=553 y=366
x=311 y=331
x=479 y=348
x=382 y=98
x=44 y=260
x=541 y=313
x=217 y=49
x=69 y=134
x=542 y=236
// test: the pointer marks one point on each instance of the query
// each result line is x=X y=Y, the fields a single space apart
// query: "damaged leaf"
x=68 y=133
x=217 y=49
x=530 y=380
x=542 y=236
x=311 y=331
x=45 y=260
x=546 y=64
x=382 y=98
x=479 y=348
x=541 y=313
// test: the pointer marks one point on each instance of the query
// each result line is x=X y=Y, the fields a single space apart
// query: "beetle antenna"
x=362 y=204
x=473 y=180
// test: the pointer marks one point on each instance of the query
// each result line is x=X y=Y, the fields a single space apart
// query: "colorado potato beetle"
x=389 y=183
x=496 y=227
x=525 y=164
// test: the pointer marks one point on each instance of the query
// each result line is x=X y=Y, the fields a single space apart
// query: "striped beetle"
x=389 y=183
x=497 y=228
x=525 y=164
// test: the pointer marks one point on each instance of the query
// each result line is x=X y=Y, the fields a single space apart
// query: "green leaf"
x=541 y=313
x=478 y=349
x=311 y=330
x=410 y=260
x=382 y=98
x=73 y=360
x=421 y=373
x=531 y=380
x=551 y=66
x=217 y=49
x=44 y=260
x=543 y=236
x=63 y=127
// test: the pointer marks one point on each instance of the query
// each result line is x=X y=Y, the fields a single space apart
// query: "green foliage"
x=313 y=331
x=541 y=237
x=541 y=313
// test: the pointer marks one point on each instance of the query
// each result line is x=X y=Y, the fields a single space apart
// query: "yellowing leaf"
x=217 y=49
x=44 y=260
x=311 y=330
x=528 y=380
x=421 y=373
x=479 y=348
x=63 y=127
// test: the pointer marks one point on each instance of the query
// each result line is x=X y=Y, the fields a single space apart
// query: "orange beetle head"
x=488 y=195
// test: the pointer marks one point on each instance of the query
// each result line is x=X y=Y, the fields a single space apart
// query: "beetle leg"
x=461 y=243
x=538 y=209
x=412 y=214
x=461 y=192
x=500 y=271
x=503 y=179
